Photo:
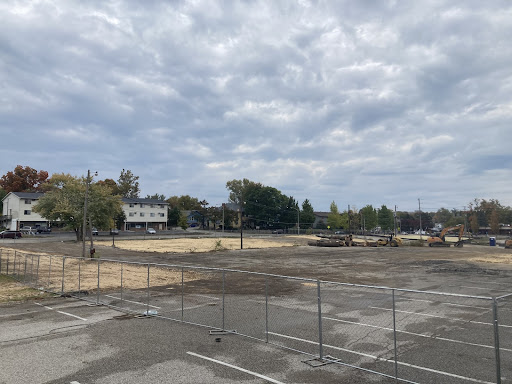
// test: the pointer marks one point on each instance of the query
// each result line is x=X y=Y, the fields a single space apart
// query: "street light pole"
x=84 y=227
x=84 y=224
x=298 y=221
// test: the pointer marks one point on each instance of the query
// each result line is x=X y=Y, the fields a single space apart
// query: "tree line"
x=251 y=203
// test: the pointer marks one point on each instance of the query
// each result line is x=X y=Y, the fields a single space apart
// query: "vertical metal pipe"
x=50 y=272
x=7 y=273
x=147 y=305
x=121 y=284
x=496 y=339
x=98 y=287
x=182 y=293
x=63 y=269
x=1 y=254
x=79 y=277
x=223 y=298
x=320 y=337
x=266 y=309
x=394 y=335
x=32 y=269
x=14 y=267
x=37 y=271
x=25 y=270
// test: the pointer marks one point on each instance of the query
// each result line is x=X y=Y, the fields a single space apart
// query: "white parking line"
x=437 y=302
x=61 y=312
x=432 y=337
x=133 y=302
x=266 y=378
x=441 y=317
x=386 y=360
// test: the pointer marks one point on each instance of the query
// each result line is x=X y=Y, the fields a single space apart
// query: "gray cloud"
x=357 y=102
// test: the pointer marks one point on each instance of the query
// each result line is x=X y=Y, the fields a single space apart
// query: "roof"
x=142 y=201
x=26 y=195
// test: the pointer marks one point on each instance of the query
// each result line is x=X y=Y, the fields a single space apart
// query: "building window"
x=152 y=214
x=26 y=212
x=152 y=205
x=28 y=201
x=142 y=214
x=142 y=205
x=130 y=214
x=161 y=206
x=161 y=214
x=132 y=205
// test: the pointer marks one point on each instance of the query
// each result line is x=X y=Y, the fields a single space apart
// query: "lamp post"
x=298 y=220
x=84 y=224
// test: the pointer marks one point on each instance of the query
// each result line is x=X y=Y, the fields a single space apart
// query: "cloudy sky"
x=360 y=102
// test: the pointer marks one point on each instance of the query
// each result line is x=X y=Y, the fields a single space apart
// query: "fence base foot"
x=318 y=362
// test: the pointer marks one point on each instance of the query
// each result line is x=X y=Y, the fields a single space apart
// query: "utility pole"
x=298 y=220
x=348 y=213
x=419 y=207
x=223 y=222
x=465 y=223
x=394 y=221
x=241 y=219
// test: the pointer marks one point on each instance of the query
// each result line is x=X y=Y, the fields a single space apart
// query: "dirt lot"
x=404 y=267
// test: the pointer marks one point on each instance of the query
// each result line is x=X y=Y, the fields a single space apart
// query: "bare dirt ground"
x=404 y=267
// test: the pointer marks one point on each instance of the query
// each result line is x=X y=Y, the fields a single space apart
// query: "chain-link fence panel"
x=293 y=314
x=165 y=283
x=202 y=296
x=444 y=338
x=355 y=331
x=245 y=304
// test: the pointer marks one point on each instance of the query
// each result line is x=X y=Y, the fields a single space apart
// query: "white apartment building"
x=18 y=211
x=142 y=214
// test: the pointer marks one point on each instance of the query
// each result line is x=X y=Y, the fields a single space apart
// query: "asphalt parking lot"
x=62 y=340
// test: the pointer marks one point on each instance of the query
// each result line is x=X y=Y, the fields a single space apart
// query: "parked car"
x=278 y=232
x=339 y=233
x=10 y=235
x=94 y=232
x=43 y=230
x=151 y=231
x=114 y=231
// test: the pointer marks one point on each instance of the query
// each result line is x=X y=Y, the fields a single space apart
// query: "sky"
x=357 y=102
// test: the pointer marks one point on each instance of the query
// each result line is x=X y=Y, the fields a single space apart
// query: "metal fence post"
x=25 y=269
x=223 y=297
x=37 y=270
x=32 y=269
x=320 y=345
x=182 y=292
x=266 y=309
x=7 y=273
x=79 y=277
x=50 y=272
x=121 y=284
x=63 y=269
x=98 y=288
x=394 y=335
x=14 y=268
x=1 y=254
x=496 y=339
x=147 y=305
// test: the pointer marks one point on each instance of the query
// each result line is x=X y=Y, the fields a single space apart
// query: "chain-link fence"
x=407 y=335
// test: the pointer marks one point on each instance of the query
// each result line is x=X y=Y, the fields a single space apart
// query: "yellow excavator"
x=392 y=241
x=508 y=244
x=439 y=241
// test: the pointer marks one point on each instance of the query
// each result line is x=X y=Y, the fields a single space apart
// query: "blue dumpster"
x=492 y=241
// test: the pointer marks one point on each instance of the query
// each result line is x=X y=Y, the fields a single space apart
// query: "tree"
x=265 y=206
x=443 y=216
x=307 y=215
x=66 y=204
x=239 y=188
x=475 y=226
x=156 y=196
x=369 y=217
x=112 y=185
x=128 y=185
x=334 y=220
x=385 y=218
x=23 y=179
x=3 y=193
x=184 y=202
x=173 y=216
x=495 y=224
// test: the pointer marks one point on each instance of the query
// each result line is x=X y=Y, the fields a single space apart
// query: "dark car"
x=43 y=230
x=114 y=231
x=278 y=232
x=94 y=232
x=10 y=235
